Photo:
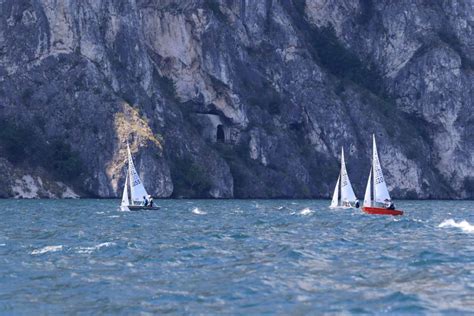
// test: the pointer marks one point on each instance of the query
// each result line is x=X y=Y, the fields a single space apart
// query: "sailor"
x=145 y=201
x=150 y=199
x=357 y=204
x=389 y=204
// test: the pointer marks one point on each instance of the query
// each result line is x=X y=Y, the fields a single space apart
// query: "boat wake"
x=88 y=250
x=464 y=225
x=47 y=249
x=198 y=211
x=306 y=211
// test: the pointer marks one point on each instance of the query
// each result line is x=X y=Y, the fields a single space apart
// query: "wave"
x=47 y=249
x=306 y=211
x=93 y=248
x=198 y=211
x=464 y=225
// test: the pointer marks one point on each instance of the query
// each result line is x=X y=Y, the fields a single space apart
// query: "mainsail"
x=367 y=197
x=125 y=199
x=335 y=196
x=347 y=193
x=380 y=187
x=137 y=190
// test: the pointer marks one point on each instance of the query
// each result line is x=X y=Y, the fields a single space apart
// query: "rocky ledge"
x=245 y=99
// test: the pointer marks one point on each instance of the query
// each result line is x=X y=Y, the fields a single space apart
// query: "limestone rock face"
x=235 y=98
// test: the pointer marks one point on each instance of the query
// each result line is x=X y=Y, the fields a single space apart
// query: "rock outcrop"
x=247 y=99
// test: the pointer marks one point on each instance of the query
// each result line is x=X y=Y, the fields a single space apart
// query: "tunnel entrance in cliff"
x=220 y=134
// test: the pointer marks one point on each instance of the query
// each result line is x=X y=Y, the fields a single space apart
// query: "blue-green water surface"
x=235 y=257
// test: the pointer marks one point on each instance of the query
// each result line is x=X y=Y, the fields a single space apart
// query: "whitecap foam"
x=305 y=211
x=198 y=211
x=47 y=249
x=93 y=248
x=464 y=225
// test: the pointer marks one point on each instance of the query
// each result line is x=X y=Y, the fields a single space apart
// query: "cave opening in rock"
x=220 y=134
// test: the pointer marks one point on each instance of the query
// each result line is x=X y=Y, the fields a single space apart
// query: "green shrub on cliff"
x=19 y=143
x=14 y=140
x=189 y=179
x=64 y=162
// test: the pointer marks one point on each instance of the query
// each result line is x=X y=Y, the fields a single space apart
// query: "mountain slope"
x=235 y=99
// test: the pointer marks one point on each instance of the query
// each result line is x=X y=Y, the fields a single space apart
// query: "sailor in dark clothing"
x=145 y=201
x=389 y=204
x=357 y=204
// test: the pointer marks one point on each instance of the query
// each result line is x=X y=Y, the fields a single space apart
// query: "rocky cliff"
x=235 y=98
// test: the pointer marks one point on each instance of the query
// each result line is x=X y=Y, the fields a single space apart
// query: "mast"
x=129 y=175
x=374 y=153
x=341 y=176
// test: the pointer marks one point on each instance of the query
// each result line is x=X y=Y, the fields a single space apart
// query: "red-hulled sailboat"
x=377 y=199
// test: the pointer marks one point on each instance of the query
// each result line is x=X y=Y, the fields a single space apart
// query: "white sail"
x=125 y=199
x=335 y=196
x=347 y=193
x=137 y=190
x=380 y=188
x=367 y=197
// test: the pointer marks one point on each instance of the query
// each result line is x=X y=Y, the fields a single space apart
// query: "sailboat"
x=377 y=199
x=137 y=190
x=343 y=184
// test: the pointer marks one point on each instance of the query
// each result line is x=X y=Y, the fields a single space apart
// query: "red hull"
x=381 y=211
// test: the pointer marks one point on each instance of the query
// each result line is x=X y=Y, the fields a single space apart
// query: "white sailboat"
x=377 y=199
x=343 y=184
x=137 y=190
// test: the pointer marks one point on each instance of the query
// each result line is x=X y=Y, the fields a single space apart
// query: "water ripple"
x=234 y=257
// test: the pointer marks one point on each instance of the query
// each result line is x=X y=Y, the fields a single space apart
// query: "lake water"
x=234 y=257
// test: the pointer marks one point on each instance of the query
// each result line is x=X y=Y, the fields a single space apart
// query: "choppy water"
x=234 y=257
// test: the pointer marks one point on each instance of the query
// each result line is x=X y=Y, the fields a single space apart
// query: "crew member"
x=389 y=204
